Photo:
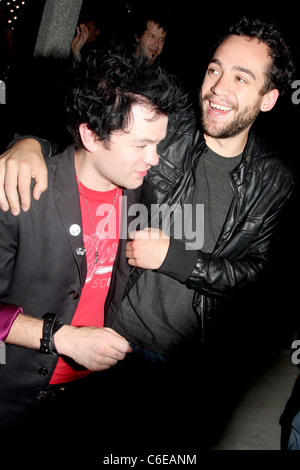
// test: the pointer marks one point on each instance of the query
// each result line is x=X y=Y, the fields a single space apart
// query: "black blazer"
x=43 y=270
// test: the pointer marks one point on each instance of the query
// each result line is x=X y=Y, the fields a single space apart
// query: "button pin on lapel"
x=75 y=230
x=80 y=251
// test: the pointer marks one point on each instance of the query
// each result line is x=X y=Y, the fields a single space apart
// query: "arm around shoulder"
x=18 y=165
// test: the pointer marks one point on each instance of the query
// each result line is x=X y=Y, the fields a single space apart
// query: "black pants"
x=134 y=408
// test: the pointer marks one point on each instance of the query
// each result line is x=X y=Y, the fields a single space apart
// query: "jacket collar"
x=65 y=176
x=68 y=207
x=248 y=150
x=247 y=153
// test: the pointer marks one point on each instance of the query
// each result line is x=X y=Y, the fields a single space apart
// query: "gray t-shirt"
x=157 y=313
x=213 y=189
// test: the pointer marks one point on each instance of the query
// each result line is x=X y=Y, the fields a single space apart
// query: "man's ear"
x=88 y=138
x=269 y=100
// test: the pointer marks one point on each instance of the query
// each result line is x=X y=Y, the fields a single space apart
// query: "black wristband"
x=50 y=328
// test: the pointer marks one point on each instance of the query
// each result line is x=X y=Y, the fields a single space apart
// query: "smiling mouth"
x=218 y=109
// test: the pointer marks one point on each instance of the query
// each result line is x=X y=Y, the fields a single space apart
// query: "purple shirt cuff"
x=8 y=314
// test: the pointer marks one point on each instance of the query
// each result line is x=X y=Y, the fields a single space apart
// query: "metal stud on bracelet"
x=51 y=326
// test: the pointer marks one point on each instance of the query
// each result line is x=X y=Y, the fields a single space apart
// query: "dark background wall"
x=194 y=28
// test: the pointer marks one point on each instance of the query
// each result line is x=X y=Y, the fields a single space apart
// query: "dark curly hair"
x=280 y=73
x=155 y=15
x=104 y=88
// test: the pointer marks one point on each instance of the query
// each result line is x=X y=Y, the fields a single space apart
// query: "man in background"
x=87 y=37
x=150 y=36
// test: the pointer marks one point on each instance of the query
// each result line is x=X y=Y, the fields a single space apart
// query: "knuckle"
x=121 y=357
x=9 y=163
x=24 y=164
x=43 y=186
x=9 y=188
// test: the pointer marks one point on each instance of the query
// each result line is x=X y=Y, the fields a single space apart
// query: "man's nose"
x=151 y=156
x=221 y=86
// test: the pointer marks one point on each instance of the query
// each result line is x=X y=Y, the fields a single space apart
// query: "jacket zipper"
x=170 y=165
x=167 y=162
x=218 y=251
x=236 y=218
x=188 y=180
x=247 y=160
x=202 y=317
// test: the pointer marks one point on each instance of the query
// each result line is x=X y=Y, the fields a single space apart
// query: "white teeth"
x=221 y=108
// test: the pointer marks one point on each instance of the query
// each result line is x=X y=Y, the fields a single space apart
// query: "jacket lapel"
x=68 y=207
x=121 y=269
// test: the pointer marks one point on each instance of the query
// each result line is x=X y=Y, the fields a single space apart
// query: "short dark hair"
x=104 y=88
x=160 y=18
x=280 y=74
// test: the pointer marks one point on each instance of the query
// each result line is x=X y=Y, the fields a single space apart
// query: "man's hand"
x=23 y=161
x=79 y=40
x=93 y=348
x=148 y=248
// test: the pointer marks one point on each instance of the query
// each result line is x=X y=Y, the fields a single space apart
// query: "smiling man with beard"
x=233 y=94
x=237 y=179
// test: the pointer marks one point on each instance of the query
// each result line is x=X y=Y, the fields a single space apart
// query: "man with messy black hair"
x=63 y=255
x=107 y=106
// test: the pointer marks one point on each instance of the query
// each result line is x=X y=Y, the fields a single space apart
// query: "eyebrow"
x=146 y=141
x=238 y=68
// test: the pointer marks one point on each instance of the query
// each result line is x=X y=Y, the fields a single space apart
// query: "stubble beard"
x=242 y=120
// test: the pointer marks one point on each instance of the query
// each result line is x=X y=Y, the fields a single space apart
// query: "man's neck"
x=88 y=175
x=230 y=147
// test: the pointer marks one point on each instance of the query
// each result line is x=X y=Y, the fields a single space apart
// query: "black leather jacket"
x=261 y=185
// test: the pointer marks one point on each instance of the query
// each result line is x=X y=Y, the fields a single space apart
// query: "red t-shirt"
x=95 y=208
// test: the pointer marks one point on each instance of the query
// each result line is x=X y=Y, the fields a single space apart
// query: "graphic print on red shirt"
x=101 y=238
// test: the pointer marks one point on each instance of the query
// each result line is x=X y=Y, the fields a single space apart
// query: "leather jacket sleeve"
x=236 y=262
x=48 y=147
x=211 y=274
